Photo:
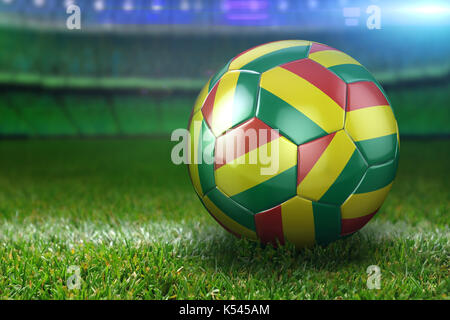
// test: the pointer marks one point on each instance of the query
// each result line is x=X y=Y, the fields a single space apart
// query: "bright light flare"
x=431 y=9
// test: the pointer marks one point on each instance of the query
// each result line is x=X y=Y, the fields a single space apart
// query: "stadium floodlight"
x=128 y=5
x=312 y=4
x=184 y=5
x=39 y=3
x=68 y=3
x=436 y=12
x=436 y=9
x=157 y=5
x=254 y=5
x=99 y=5
x=283 y=5
x=224 y=5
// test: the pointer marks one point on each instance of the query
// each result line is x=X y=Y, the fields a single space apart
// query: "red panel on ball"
x=364 y=94
x=315 y=47
x=208 y=105
x=321 y=77
x=309 y=153
x=269 y=226
x=349 y=226
x=227 y=145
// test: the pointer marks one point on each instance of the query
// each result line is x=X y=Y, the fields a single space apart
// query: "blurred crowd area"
x=420 y=110
x=88 y=114
x=136 y=66
x=169 y=55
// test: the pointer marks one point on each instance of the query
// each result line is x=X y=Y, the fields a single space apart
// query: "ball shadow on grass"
x=226 y=253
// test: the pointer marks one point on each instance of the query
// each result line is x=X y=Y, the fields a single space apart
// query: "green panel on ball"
x=347 y=181
x=327 y=223
x=206 y=158
x=245 y=95
x=353 y=73
x=378 y=177
x=280 y=115
x=277 y=58
x=218 y=75
x=231 y=101
x=378 y=150
x=270 y=193
x=232 y=209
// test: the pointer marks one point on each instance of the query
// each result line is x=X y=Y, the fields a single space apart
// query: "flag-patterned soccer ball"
x=337 y=139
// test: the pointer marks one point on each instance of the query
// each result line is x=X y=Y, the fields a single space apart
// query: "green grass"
x=131 y=221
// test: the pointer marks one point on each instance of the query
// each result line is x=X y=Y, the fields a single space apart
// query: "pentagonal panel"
x=269 y=55
x=370 y=122
x=329 y=168
x=201 y=155
x=256 y=166
x=370 y=194
x=231 y=101
x=303 y=100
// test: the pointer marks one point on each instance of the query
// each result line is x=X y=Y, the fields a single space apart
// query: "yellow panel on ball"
x=370 y=123
x=362 y=204
x=305 y=97
x=327 y=168
x=193 y=150
x=201 y=97
x=262 y=50
x=298 y=221
x=248 y=172
x=330 y=58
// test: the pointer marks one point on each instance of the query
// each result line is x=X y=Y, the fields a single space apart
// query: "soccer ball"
x=324 y=123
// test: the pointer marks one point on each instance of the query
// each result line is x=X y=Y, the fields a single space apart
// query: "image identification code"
x=226 y=309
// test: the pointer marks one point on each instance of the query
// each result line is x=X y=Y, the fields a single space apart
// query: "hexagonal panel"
x=329 y=168
x=256 y=166
x=367 y=199
x=231 y=101
x=370 y=122
x=303 y=100
x=371 y=192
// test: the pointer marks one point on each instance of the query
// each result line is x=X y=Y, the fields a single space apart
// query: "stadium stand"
x=56 y=82
x=137 y=115
x=195 y=57
x=420 y=111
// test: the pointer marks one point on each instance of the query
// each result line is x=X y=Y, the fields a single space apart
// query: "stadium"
x=91 y=205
